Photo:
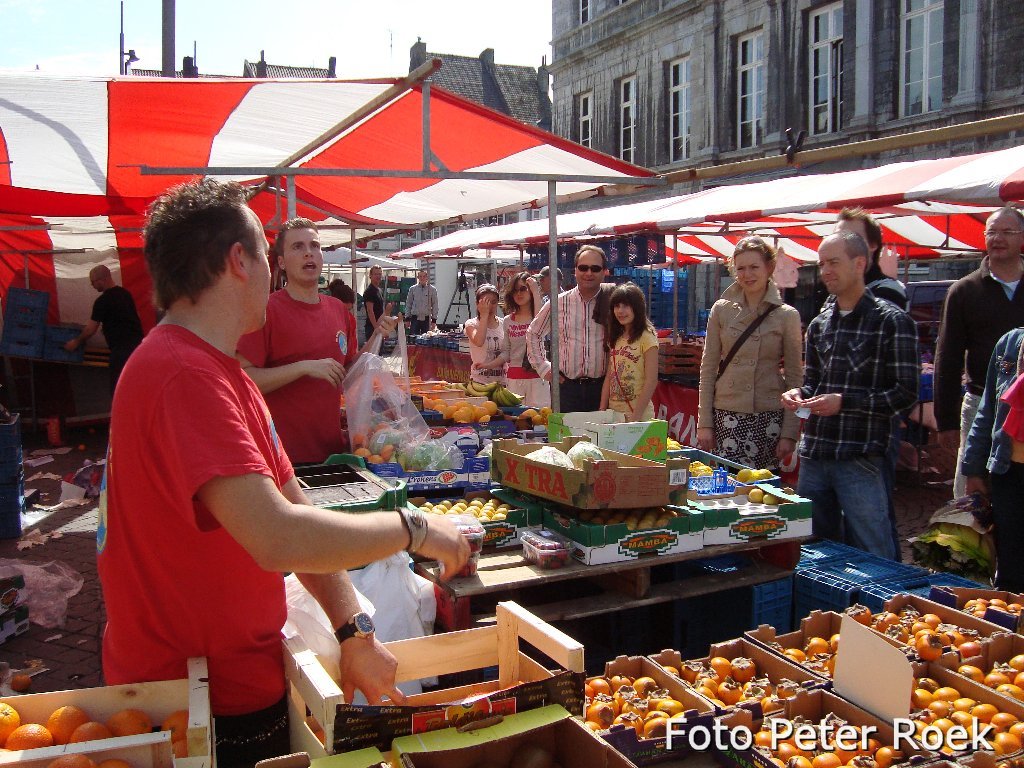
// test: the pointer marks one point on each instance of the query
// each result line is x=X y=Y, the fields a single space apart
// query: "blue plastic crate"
x=10 y=464
x=875 y=596
x=10 y=434
x=954 y=580
x=837 y=585
x=21 y=347
x=816 y=553
x=26 y=306
x=773 y=605
x=12 y=496
x=56 y=337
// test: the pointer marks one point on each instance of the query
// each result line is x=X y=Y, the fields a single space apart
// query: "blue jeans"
x=850 y=502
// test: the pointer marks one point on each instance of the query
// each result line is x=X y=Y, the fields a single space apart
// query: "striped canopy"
x=927 y=208
x=73 y=192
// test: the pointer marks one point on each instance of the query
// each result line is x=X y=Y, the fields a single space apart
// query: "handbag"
x=743 y=337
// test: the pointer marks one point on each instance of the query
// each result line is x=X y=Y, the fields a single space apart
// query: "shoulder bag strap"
x=743 y=337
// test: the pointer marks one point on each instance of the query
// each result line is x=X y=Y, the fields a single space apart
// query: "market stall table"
x=506 y=573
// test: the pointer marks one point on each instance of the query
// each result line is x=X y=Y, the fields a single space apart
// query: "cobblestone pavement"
x=71 y=653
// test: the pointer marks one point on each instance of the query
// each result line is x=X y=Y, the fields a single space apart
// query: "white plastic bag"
x=49 y=587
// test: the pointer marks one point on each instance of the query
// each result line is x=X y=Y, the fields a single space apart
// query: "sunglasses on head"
x=589 y=268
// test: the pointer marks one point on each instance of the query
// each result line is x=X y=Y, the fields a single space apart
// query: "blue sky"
x=369 y=37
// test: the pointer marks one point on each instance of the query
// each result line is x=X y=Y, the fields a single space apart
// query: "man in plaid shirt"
x=861 y=368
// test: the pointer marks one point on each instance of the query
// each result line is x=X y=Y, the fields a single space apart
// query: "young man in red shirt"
x=200 y=511
x=300 y=356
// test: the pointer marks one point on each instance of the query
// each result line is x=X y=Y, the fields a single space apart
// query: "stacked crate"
x=12 y=479
x=56 y=337
x=24 y=323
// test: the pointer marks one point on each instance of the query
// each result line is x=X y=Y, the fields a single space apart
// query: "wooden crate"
x=150 y=750
x=312 y=688
x=681 y=359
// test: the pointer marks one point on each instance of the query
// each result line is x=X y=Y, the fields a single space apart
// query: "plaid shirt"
x=870 y=358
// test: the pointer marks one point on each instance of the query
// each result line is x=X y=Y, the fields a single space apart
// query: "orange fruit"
x=90 y=731
x=29 y=736
x=63 y=721
x=176 y=723
x=886 y=756
x=599 y=685
x=129 y=722
x=9 y=720
x=20 y=683
x=946 y=693
x=1005 y=743
x=971 y=671
x=984 y=712
x=72 y=761
x=825 y=760
x=1002 y=721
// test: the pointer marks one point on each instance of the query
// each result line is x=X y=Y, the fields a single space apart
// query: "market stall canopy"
x=88 y=155
x=927 y=208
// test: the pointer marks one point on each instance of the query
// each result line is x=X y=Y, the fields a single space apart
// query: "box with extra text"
x=620 y=481
x=751 y=513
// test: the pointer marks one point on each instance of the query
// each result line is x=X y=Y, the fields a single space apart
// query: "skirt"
x=748 y=438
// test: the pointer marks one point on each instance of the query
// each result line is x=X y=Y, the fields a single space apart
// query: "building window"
x=679 y=109
x=627 y=118
x=921 y=56
x=750 y=92
x=584 y=11
x=585 y=110
x=826 y=69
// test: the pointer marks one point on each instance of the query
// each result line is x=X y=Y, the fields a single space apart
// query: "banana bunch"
x=474 y=389
x=506 y=397
x=493 y=391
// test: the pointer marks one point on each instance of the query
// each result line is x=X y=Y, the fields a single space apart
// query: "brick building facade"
x=673 y=84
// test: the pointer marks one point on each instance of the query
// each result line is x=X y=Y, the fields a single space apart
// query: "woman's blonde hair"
x=756 y=244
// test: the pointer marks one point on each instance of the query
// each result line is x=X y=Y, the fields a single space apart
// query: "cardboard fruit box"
x=822 y=624
x=148 y=750
x=595 y=544
x=550 y=728
x=769 y=665
x=948 y=615
x=646 y=439
x=997 y=649
x=563 y=425
x=698 y=712
x=732 y=518
x=522 y=684
x=621 y=481
x=957 y=597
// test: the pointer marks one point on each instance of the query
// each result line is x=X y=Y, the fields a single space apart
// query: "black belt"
x=584 y=379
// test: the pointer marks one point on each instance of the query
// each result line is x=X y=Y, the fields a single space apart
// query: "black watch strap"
x=360 y=625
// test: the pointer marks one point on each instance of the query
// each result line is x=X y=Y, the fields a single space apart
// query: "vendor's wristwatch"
x=360 y=625
x=416 y=523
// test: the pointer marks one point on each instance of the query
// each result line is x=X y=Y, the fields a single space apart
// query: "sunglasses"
x=595 y=268
x=521 y=289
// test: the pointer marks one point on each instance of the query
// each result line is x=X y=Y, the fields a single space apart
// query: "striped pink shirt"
x=580 y=340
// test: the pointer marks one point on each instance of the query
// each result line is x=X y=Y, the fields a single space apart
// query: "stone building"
x=672 y=84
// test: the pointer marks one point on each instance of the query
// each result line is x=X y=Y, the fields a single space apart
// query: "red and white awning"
x=72 y=149
x=926 y=208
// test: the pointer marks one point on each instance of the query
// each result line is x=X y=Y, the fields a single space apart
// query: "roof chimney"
x=417 y=54
x=487 y=57
x=332 y=66
x=261 y=65
x=189 y=68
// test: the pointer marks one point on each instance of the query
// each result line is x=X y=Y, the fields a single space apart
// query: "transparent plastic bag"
x=49 y=587
x=383 y=422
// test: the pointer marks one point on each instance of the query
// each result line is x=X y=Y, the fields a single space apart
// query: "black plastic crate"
x=12 y=497
x=10 y=433
x=10 y=464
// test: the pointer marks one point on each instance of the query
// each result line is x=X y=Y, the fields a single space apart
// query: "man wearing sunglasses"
x=979 y=309
x=581 y=315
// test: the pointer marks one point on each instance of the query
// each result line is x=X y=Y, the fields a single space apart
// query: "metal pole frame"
x=553 y=293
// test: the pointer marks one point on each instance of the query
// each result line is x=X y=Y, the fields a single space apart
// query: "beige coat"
x=753 y=382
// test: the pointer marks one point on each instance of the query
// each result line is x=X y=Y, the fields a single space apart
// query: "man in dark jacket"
x=979 y=309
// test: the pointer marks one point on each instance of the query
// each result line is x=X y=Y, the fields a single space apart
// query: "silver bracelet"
x=416 y=523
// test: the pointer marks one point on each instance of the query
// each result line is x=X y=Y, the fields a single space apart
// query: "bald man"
x=115 y=311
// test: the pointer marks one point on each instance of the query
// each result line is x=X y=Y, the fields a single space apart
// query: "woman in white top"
x=522 y=300
x=485 y=337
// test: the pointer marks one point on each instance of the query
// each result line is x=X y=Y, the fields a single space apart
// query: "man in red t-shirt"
x=200 y=511
x=298 y=360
